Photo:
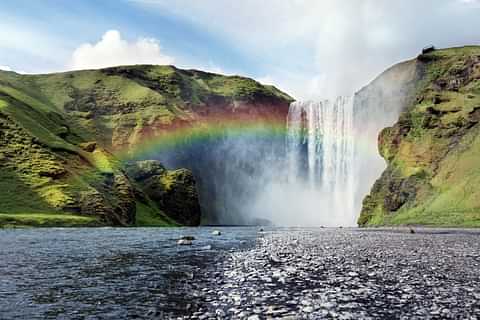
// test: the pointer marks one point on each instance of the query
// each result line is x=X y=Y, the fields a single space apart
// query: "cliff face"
x=173 y=192
x=61 y=134
x=377 y=106
x=433 y=150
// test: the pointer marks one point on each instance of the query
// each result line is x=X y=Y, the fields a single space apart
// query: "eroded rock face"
x=433 y=150
x=173 y=191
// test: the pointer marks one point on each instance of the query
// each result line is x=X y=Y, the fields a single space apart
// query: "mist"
x=316 y=174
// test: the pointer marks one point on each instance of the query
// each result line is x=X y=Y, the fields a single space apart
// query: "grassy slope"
x=17 y=220
x=44 y=120
x=433 y=151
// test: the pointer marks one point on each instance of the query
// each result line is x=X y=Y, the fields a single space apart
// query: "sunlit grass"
x=46 y=220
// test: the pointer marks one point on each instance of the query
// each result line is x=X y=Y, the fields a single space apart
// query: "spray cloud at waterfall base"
x=332 y=157
x=311 y=167
x=319 y=187
x=314 y=172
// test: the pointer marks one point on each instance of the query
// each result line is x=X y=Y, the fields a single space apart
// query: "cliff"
x=63 y=138
x=433 y=150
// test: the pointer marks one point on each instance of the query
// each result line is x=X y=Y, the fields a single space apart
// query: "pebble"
x=351 y=274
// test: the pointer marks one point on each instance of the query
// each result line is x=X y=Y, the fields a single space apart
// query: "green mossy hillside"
x=59 y=134
x=433 y=151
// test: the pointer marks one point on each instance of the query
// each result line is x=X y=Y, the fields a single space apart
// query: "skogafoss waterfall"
x=320 y=155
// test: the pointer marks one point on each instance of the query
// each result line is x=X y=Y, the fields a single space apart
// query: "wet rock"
x=184 y=242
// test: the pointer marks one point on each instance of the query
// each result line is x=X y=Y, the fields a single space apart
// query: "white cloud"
x=471 y=3
x=6 y=68
x=112 y=50
x=328 y=47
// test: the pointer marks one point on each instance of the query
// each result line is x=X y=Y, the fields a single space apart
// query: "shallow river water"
x=295 y=273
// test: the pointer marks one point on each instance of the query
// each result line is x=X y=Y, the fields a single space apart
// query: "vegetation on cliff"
x=433 y=151
x=59 y=134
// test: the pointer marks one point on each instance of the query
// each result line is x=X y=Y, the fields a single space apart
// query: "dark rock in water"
x=173 y=191
x=216 y=233
x=190 y=238
x=412 y=230
x=184 y=242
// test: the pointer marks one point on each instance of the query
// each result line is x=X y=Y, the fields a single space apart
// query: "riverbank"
x=351 y=274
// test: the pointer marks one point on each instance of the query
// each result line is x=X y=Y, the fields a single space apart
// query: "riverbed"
x=245 y=273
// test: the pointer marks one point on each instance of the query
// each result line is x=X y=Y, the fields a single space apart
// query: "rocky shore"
x=346 y=274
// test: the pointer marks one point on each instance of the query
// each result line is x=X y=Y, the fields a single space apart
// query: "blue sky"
x=311 y=49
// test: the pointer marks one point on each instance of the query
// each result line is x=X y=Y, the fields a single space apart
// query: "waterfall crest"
x=320 y=154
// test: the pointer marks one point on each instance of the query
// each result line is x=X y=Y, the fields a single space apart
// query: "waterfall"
x=320 y=154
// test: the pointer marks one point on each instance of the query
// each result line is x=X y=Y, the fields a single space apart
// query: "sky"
x=312 y=49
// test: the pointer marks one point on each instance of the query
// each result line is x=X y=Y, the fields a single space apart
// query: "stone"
x=190 y=238
x=183 y=242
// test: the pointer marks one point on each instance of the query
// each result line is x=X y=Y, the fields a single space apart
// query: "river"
x=290 y=273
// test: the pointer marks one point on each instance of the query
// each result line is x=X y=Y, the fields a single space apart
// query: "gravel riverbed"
x=347 y=274
x=244 y=273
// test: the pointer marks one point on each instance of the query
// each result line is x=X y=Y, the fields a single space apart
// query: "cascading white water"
x=320 y=154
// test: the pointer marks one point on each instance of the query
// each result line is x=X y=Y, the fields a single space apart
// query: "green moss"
x=147 y=216
x=437 y=142
x=447 y=218
x=44 y=126
x=8 y=220
x=168 y=180
x=103 y=162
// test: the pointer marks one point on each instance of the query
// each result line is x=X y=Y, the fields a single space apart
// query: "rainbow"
x=154 y=139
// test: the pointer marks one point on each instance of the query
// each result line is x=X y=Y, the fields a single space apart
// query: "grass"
x=148 y=217
x=446 y=151
x=448 y=218
x=15 y=220
x=46 y=119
